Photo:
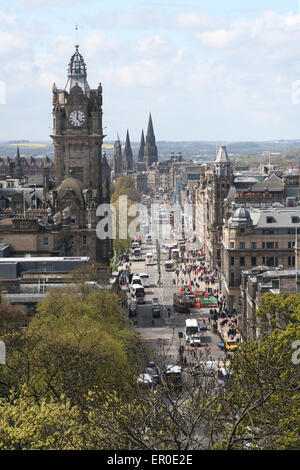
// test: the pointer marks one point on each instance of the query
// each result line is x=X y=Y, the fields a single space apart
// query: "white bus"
x=149 y=258
x=145 y=279
x=138 y=292
x=191 y=328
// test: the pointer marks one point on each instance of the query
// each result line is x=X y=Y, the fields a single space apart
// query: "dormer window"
x=295 y=220
x=271 y=220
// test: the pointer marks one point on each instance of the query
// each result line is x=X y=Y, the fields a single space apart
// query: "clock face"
x=77 y=118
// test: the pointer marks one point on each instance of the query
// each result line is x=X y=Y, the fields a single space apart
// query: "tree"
x=11 y=318
x=47 y=425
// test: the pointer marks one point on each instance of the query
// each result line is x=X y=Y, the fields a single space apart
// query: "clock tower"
x=77 y=128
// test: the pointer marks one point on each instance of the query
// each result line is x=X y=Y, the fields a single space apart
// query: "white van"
x=136 y=280
x=145 y=279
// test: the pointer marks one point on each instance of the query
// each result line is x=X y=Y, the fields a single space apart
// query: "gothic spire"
x=18 y=165
x=142 y=148
x=127 y=156
x=150 y=152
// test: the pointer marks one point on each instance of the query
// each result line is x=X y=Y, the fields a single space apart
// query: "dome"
x=241 y=215
x=70 y=184
x=77 y=74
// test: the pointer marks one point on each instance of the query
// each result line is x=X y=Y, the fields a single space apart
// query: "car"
x=153 y=373
x=202 y=325
x=156 y=312
x=231 y=345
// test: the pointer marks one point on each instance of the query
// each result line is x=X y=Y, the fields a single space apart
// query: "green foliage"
x=47 y=425
x=73 y=344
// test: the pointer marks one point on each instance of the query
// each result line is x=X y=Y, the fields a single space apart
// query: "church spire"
x=150 y=152
x=127 y=156
x=142 y=148
x=18 y=165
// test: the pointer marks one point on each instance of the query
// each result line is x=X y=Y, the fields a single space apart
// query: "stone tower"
x=221 y=181
x=77 y=127
x=117 y=161
x=150 y=150
x=127 y=155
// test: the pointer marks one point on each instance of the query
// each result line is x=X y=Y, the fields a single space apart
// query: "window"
x=263 y=260
x=270 y=220
x=291 y=261
x=291 y=245
x=46 y=241
x=232 y=261
x=270 y=245
x=270 y=261
x=232 y=245
x=242 y=261
x=295 y=220
x=276 y=244
x=232 y=279
x=242 y=245
x=253 y=245
x=242 y=230
x=84 y=239
x=253 y=261
x=264 y=245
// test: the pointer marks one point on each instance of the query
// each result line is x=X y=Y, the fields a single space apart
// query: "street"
x=163 y=332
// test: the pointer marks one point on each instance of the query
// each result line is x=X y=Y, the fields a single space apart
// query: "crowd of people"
x=196 y=275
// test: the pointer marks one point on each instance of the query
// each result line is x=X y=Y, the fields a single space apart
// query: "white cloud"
x=194 y=20
x=96 y=42
x=145 y=73
x=10 y=42
x=6 y=18
x=153 y=45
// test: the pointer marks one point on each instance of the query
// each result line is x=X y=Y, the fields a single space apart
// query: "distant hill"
x=205 y=150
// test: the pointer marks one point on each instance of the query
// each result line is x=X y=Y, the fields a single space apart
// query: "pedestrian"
x=185 y=360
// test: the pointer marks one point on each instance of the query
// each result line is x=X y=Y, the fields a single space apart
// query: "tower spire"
x=127 y=156
x=150 y=152
x=142 y=148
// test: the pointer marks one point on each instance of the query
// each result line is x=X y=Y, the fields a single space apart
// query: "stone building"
x=257 y=237
x=79 y=176
x=254 y=284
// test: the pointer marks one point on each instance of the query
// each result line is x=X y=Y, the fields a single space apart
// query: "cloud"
x=6 y=18
x=153 y=45
x=144 y=73
x=10 y=42
x=96 y=42
x=194 y=20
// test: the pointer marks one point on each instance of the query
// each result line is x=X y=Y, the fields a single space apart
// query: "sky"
x=206 y=70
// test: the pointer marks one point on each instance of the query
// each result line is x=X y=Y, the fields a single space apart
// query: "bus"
x=149 y=258
x=138 y=292
x=181 y=303
x=148 y=239
x=191 y=329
